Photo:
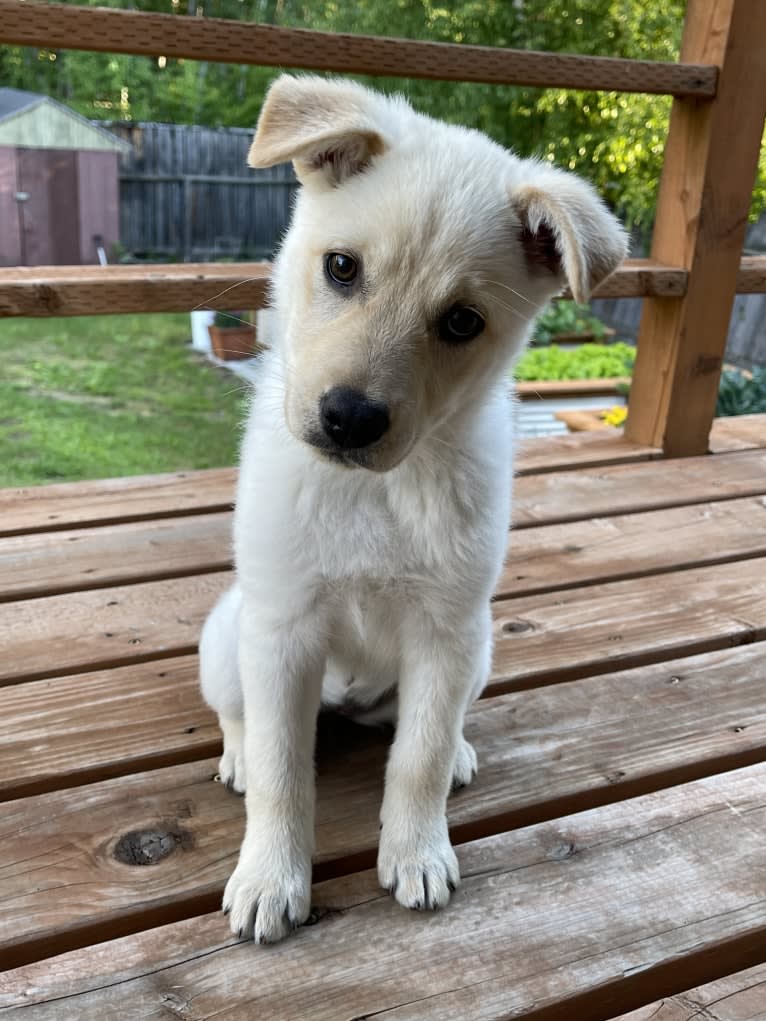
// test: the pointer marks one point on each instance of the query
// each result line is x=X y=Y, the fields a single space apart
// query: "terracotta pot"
x=232 y=342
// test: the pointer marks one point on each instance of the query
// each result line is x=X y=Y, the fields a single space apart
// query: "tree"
x=615 y=140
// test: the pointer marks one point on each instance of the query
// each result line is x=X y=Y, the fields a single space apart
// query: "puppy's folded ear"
x=566 y=230
x=325 y=127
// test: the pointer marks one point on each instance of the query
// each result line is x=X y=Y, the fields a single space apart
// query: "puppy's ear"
x=325 y=127
x=566 y=230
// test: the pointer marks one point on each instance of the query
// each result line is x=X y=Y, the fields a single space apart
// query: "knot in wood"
x=516 y=627
x=150 y=846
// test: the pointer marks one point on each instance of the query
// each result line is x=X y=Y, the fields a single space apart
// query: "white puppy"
x=374 y=493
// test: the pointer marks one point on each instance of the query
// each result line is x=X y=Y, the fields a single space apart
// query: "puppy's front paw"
x=419 y=869
x=267 y=899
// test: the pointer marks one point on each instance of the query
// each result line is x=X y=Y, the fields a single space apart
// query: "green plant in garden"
x=742 y=393
x=566 y=317
x=230 y=320
x=590 y=361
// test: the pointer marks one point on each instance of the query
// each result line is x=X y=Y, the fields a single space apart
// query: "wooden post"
x=705 y=192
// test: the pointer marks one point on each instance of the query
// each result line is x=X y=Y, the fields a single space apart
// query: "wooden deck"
x=613 y=847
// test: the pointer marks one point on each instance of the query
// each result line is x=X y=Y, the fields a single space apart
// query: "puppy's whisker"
x=230 y=315
x=215 y=297
x=499 y=283
x=510 y=308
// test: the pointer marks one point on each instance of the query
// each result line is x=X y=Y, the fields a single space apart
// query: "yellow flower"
x=615 y=415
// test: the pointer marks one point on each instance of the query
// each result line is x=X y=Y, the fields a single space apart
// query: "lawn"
x=97 y=397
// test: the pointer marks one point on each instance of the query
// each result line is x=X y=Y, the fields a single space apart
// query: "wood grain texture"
x=527 y=391
x=140 y=497
x=101 y=628
x=556 y=453
x=98 y=290
x=560 y=636
x=740 y=997
x=545 y=558
x=72 y=560
x=543 y=494
x=105 y=290
x=704 y=199
x=625 y=488
x=557 y=557
x=543 y=753
x=751 y=278
x=82 y=728
x=584 y=916
x=540 y=639
x=738 y=432
x=237 y=42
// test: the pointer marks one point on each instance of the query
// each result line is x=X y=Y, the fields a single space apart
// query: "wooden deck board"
x=740 y=997
x=630 y=644
x=571 y=493
x=542 y=558
x=543 y=753
x=580 y=914
x=539 y=639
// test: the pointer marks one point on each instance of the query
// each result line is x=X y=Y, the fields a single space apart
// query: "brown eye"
x=342 y=269
x=460 y=324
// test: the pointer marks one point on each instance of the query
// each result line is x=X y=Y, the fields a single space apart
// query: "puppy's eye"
x=342 y=269
x=460 y=324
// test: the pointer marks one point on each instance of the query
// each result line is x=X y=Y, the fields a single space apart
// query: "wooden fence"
x=186 y=192
x=696 y=265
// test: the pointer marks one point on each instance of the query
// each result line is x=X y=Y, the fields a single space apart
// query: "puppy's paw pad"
x=466 y=765
x=267 y=908
x=422 y=876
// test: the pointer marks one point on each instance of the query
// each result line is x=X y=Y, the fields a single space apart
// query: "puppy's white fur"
x=359 y=578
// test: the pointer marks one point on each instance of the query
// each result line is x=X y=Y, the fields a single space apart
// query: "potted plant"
x=232 y=336
x=567 y=323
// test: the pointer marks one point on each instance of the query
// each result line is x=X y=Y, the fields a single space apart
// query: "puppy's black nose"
x=350 y=419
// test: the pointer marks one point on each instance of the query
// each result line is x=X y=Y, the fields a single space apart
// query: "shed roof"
x=39 y=122
x=14 y=100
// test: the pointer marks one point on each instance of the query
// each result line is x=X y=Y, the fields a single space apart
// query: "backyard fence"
x=187 y=194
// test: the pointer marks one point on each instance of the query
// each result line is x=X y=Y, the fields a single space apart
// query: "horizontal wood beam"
x=751 y=278
x=100 y=290
x=60 y=26
x=181 y=287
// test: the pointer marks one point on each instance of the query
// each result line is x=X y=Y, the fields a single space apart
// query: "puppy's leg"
x=219 y=680
x=281 y=664
x=231 y=768
x=440 y=663
x=466 y=764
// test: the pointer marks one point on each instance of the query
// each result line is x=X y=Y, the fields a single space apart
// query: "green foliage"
x=742 y=393
x=614 y=140
x=566 y=317
x=105 y=396
x=589 y=361
x=230 y=320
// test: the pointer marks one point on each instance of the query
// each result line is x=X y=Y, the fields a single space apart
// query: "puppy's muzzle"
x=350 y=420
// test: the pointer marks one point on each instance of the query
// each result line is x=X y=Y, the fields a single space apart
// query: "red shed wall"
x=99 y=205
x=10 y=233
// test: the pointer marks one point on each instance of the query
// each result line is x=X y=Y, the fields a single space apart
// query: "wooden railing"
x=695 y=269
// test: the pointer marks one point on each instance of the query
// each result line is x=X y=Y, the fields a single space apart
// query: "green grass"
x=97 y=397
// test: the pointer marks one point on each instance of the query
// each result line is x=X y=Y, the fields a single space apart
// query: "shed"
x=59 y=188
